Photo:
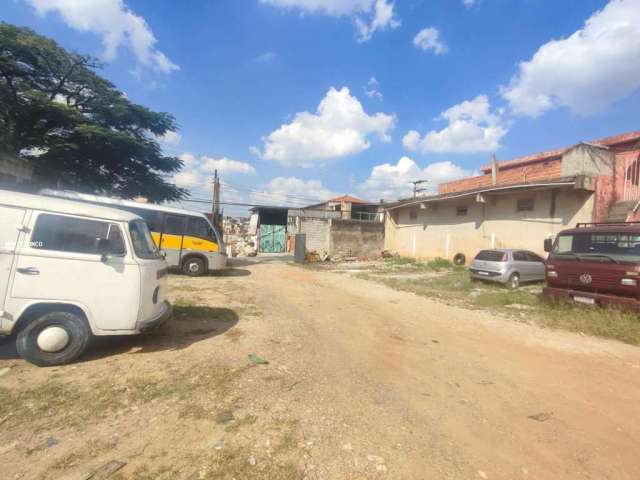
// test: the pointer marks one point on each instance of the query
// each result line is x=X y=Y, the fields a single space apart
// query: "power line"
x=417 y=190
x=264 y=192
x=242 y=204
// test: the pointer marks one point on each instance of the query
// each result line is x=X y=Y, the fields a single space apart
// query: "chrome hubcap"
x=194 y=267
x=53 y=339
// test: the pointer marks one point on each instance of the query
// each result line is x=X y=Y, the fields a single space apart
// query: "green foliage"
x=78 y=131
x=440 y=263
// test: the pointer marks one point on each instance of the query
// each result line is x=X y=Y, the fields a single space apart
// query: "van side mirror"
x=548 y=244
x=104 y=248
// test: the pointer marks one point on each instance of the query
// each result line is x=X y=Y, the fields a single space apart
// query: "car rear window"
x=490 y=256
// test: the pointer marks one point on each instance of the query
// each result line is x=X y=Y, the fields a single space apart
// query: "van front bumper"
x=158 y=320
x=601 y=299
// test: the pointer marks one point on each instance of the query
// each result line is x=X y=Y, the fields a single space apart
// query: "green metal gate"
x=272 y=238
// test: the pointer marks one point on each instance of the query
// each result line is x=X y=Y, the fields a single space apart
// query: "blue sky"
x=449 y=86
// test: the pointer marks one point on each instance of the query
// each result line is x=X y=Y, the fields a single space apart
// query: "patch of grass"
x=194 y=411
x=508 y=297
x=233 y=463
x=185 y=289
x=610 y=322
x=439 y=263
x=241 y=422
x=54 y=404
x=456 y=286
x=400 y=260
x=187 y=310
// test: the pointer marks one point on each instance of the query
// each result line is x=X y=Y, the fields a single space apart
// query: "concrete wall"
x=356 y=238
x=317 y=232
x=437 y=230
x=587 y=160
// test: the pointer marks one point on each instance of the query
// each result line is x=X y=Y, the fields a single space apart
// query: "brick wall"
x=545 y=170
x=317 y=232
x=356 y=238
x=604 y=197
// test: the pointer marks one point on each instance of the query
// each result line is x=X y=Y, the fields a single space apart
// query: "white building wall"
x=437 y=231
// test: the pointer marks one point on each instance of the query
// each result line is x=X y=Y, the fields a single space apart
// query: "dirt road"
x=363 y=382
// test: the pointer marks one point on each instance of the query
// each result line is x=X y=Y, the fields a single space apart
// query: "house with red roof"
x=341 y=226
x=518 y=203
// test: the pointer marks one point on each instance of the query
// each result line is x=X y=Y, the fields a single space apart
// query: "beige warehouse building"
x=519 y=203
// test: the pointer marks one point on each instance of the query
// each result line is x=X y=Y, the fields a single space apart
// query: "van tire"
x=194 y=267
x=76 y=328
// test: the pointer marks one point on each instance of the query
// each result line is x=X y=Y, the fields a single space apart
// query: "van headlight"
x=552 y=274
x=629 y=282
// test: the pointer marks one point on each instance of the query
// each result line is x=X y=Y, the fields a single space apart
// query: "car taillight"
x=504 y=258
x=161 y=273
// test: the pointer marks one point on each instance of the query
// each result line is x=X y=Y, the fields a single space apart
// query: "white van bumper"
x=158 y=320
x=217 y=261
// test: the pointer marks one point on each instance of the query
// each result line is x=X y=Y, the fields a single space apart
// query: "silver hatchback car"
x=507 y=266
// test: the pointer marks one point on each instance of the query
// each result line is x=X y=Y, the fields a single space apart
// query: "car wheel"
x=194 y=267
x=514 y=281
x=53 y=339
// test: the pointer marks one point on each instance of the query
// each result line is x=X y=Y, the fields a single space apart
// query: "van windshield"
x=605 y=247
x=142 y=241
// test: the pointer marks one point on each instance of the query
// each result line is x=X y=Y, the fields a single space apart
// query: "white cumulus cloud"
x=369 y=16
x=115 y=23
x=585 y=72
x=472 y=128
x=292 y=191
x=429 y=39
x=226 y=165
x=197 y=172
x=170 y=138
x=340 y=127
x=391 y=182
x=372 y=89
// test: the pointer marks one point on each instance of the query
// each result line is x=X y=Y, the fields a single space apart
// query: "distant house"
x=520 y=202
x=346 y=207
x=341 y=226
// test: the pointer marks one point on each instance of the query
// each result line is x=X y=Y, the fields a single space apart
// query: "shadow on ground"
x=231 y=272
x=266 y=258
x=189 y=324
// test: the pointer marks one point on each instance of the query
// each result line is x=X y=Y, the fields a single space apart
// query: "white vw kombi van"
x=70 y=270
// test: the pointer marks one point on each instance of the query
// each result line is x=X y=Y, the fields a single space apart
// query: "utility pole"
x=215 y=206
x=494 y=169
x=416 y=189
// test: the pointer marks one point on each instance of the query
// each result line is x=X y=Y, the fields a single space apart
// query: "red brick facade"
x=624 y=185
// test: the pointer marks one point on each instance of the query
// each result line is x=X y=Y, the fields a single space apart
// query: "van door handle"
x=28 y=271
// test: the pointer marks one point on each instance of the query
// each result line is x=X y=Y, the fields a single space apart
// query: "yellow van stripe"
x=156 y=238
x=195 y=243
x=171 y=242
x=189 y=243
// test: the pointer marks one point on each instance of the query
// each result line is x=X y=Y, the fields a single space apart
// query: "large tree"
x=76 y=128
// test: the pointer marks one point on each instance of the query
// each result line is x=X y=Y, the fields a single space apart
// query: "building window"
x=461 y=211
x=413 y=214
x=525 y=205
